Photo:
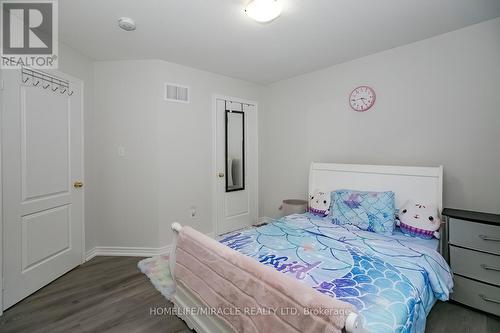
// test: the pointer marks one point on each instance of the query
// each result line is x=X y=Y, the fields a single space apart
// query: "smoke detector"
x=126 y=23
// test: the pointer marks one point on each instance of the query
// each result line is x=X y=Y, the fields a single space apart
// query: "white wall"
x=75 y=64
x=437 y=103
x=167 y=164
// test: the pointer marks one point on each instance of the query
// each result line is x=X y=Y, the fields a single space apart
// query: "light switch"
x=121 y=151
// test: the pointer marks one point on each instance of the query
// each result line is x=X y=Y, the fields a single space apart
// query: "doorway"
x=235 y=164
x=42 y=170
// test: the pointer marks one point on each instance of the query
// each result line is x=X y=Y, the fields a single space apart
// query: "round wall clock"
x=362 y=98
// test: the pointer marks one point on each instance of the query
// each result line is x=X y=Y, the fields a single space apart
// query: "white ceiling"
x=215 y=35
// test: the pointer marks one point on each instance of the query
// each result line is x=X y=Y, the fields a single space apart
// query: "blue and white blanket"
x=392 y=283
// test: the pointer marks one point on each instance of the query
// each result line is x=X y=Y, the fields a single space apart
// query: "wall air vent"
x=176 y=93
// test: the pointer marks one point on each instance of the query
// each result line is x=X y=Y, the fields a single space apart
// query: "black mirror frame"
x=242 y=188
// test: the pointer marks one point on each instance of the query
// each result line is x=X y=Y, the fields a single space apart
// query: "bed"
x=392 y=281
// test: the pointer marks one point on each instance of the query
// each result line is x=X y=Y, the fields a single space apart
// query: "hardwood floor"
x=109 y=294
x=452 y=317
x=106 y=294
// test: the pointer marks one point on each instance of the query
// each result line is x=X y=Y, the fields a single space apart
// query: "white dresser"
x=474 y=256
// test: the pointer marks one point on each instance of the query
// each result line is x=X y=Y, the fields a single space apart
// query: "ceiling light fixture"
x=264 y=10
x=126 y=23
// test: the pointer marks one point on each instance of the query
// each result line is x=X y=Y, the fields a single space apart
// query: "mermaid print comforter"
x=392 y=283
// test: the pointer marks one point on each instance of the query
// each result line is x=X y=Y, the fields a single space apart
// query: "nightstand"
x=293 y=206
x=474 y=257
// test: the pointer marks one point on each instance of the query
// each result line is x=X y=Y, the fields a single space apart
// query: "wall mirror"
x=235 y=151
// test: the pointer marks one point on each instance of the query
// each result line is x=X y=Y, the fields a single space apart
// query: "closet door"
x=41 y=180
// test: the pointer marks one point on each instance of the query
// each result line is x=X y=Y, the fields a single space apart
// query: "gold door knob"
x=221 y=174
x=77 y=184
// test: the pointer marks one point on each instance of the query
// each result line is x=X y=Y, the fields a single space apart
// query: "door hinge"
x=3 y=283
x=2 y=82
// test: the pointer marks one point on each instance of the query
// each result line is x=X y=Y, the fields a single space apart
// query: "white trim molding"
x=128 y=251
x=122 y=251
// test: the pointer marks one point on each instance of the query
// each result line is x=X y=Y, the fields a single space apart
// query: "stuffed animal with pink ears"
x=419 y=220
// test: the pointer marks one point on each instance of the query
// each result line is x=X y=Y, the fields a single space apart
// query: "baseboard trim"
x=124 y=251
x=120 y=251
x=90 y=254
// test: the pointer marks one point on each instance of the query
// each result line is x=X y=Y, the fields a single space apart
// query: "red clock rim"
x=372 y=103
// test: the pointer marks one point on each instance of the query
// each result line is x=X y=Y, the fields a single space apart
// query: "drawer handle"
x=488 y=238
x=491 y=268
x=489 y=299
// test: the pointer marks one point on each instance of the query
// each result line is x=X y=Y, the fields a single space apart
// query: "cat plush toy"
x=319 y=204
x=419 y=220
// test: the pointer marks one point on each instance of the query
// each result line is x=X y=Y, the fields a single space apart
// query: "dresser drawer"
x=478 y=236
x=476 y=294
x=477 y=265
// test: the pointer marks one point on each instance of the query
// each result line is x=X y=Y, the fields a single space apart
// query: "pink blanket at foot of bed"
x=249 y=296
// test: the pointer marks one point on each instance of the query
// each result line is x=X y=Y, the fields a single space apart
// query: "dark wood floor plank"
x=109 y=294
x=106 y=294
x=451 y=317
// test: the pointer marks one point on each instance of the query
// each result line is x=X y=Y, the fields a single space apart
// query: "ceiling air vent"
x=176 y=93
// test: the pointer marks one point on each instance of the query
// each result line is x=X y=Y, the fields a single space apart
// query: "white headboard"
x=423 y=184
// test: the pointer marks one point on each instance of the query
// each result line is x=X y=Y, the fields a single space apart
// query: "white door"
x=236 y=156
x=42 y=158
